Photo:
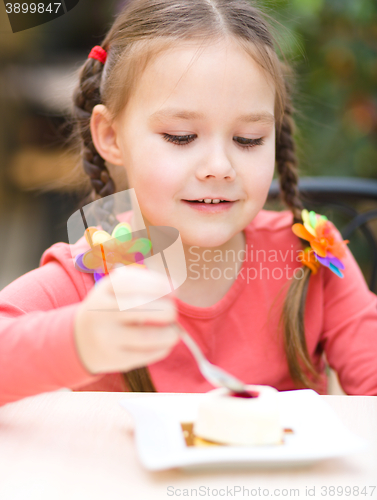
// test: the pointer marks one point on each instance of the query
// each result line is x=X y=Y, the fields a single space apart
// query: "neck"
x=210 y=268
x=214 y=265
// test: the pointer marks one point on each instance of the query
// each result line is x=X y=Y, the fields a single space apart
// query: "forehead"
x=219 y=76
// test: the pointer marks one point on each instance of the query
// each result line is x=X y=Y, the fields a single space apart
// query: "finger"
x=141 y=359
x=137 y=338
x=158 y=312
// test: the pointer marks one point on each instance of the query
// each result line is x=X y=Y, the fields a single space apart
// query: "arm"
x=350 y=328
x=37 y=346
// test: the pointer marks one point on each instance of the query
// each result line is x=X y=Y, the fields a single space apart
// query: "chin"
x=207 y=239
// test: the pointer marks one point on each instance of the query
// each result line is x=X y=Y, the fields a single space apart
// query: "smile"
x=209 y=207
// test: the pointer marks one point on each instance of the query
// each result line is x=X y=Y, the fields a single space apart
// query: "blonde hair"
x=142 y=30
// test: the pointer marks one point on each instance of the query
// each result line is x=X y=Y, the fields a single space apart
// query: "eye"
x=249 y=143
x=180 y=140
x=184 y=140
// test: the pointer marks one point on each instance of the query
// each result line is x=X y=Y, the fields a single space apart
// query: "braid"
x=287 y=162
x=85 y=97
x=294 y=306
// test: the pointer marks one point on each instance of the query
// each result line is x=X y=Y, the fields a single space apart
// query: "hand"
x=109 y=340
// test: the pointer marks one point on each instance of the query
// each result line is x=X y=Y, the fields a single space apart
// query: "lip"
x=211 y=197
x=210 y=207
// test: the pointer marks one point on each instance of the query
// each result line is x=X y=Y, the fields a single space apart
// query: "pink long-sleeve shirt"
x=239 y=333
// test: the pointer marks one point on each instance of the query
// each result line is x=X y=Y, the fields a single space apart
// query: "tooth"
x=216 y=201
x=207 y=200
x=200 y=200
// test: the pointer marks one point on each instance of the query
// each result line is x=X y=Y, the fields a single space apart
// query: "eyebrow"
x=262 y=116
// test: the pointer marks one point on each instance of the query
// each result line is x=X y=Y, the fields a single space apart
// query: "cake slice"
x=245 y=419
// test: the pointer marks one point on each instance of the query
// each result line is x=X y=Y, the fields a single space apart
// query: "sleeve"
x=349 y=334
x=37 y=346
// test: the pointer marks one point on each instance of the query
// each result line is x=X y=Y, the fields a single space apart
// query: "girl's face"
x=200 y=128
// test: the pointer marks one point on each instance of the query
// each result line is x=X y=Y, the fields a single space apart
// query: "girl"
x=191 y=100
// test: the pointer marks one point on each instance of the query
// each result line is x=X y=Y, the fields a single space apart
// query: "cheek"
x=259 y=171
x=156 y=178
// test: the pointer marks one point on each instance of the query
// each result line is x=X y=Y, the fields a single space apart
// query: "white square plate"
x=318 y=434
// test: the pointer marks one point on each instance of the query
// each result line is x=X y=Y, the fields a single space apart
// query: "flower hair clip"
x=325 y=246
x=107 y=251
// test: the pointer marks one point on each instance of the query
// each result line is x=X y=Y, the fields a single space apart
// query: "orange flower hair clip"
x=325 y=246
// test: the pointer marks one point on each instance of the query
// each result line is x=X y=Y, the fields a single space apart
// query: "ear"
x=104 y=135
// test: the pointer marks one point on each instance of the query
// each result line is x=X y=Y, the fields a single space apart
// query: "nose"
x=216 y=163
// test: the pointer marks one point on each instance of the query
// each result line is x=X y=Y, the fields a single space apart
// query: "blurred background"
x=332 y=45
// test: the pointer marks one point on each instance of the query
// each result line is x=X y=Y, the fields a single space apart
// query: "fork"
x=214 y=374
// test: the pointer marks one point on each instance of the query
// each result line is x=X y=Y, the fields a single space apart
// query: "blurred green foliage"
x=332 y=45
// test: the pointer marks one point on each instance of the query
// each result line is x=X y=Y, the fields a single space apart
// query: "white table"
x=79 y=445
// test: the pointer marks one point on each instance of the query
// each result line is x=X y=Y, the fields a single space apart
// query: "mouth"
x=210 y=201
x=210 y=205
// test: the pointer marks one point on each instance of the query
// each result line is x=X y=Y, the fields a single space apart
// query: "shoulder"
x=61 y=257
x=272 y=221
x=274 y=229
x=55 y=283
x=63 y=253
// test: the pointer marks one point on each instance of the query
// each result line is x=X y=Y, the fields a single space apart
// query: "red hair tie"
x=98 y=53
